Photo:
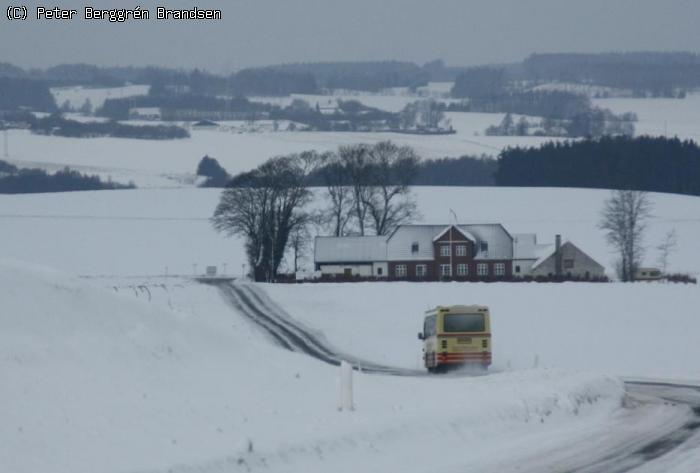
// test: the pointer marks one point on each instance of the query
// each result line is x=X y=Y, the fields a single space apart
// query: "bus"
x=456 y=336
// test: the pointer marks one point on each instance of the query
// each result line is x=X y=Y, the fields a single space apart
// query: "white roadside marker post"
x=346 y=394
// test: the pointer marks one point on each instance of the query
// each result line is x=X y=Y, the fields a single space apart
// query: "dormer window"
x=415 y=247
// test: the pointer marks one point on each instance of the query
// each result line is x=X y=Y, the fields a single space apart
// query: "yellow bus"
x=455 y=336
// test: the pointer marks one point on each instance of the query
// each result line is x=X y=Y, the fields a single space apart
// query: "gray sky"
x=259 y=32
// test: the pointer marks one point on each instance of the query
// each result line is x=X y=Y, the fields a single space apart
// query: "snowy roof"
x=401 y=243
x=356 y=249
x=464 y=233
x=205 y=123
x=544 y=252
x=145 y=110
x=525 y=246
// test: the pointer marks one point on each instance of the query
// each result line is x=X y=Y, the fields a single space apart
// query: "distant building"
x=145 y=113
x=420 y=252
x=553 y=260
x=205 y=125
x=451 y=252
x=648 y=274
x=352 y=256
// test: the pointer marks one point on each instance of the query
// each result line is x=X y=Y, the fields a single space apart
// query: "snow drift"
x=96 y=381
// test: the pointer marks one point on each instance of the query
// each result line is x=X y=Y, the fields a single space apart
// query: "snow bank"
x=94 y=380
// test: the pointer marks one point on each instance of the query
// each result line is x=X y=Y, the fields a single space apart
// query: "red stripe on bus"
x=474 y=335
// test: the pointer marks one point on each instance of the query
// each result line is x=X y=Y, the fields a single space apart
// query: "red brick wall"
x=433 y=268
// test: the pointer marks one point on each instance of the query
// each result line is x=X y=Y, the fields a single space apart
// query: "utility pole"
x=5 y=146
x=454 y=215
x=451 y=269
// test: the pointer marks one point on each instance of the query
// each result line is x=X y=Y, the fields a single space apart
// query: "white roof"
x=525 y=246
x=401 y=242
x=544 y=252
x=464 y=233
x=356 y=249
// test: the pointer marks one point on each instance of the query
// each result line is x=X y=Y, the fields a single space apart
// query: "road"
x=641 y=442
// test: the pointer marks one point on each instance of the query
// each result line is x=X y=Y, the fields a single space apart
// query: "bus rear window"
x=464 y=323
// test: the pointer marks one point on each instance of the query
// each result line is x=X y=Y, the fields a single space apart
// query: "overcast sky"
x=259 y=32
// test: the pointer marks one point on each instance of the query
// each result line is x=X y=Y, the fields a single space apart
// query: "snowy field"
x=172 y=163
x=607 y=328
x=659 y=117
x=100 y=374
x=95 y=380
x=391 y=100
x=143 y=231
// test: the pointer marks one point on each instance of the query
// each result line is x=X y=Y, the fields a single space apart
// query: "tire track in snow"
x=255 y=305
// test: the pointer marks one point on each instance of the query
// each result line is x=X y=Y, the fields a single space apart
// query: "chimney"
x=557 y=256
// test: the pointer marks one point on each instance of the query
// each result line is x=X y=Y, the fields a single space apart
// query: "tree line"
x=55 y=124
x=645 y=73
x=657 y=74
x=423 y=116
x=643 y=163
x=306 y=78
x=462 y=171
x=563 y=113
x=654 y=164
x=23 y=93
x=27 y=181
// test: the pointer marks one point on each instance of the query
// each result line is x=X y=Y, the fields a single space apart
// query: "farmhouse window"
x=445 y=270
x=400 y=271
x=499 y=269
x=462 y=269
x=484 y=246
x=415 y=247
x=445 y=250
x=461 y=250
x=379 y=271
x=482 y=269
x=421 y=270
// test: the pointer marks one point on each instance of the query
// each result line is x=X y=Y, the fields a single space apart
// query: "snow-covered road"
x=253 y=303
x=657 y=431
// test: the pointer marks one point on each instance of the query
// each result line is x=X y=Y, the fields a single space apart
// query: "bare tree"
x=338 y=191
x=422 y=114
x=355 y=160
x=624 y=218
x=264 y=206
x=299 y=244
x=666 y=248
x=390 y=203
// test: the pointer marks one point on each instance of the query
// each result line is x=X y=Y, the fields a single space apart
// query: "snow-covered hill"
x=93 y=380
